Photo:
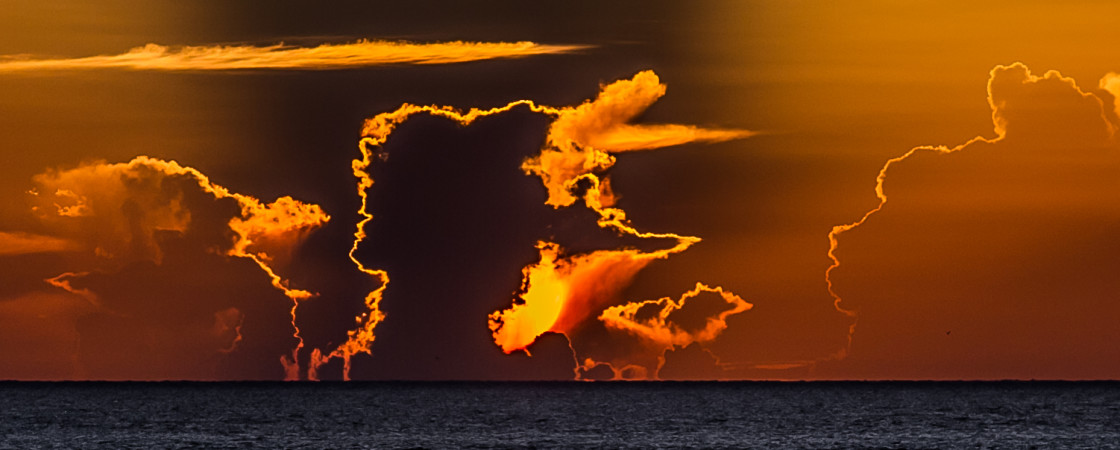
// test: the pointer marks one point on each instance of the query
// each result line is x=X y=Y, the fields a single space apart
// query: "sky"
x=770 y=190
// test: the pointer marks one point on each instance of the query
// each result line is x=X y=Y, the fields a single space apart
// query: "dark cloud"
x=165 y=275
x=455 y=220
x=446 y=227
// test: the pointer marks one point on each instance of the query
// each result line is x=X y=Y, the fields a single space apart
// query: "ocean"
x=561 y=414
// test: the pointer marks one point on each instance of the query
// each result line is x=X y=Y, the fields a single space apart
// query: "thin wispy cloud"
x=323 y=57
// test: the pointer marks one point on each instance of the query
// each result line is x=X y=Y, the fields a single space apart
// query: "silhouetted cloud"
x=166 y=264
x=561 y=291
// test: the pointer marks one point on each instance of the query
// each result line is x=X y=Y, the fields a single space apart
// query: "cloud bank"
x=154 y=259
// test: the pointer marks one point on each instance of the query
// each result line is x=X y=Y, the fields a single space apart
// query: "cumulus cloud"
x=665 y=324
x=1023 y=106
x=168 y=265
x=563 y=291
x=998 y=258
x=1111 y=83
x=375 y=132
x=139 y=228
x=323 y=57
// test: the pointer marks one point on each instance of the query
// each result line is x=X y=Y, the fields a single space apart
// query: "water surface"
x=487 y=415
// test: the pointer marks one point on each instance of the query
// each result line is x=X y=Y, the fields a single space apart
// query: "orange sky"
x=191 y=194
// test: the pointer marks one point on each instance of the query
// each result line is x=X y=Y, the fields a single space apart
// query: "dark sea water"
x=486 y=415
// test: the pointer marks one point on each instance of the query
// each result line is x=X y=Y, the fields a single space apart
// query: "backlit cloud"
x=563 y=291
x=582 y=138
x=665 y=324
x=136 y=227
x=1005 y=233
x=1111 y=83
x=164 y=263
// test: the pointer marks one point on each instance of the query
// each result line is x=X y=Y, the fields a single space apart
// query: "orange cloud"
x=323 y=57
x=25 y=243
x=561 y=291
x=122 y=214
x=1050 y=172
x=661 y=326
x=119 y=208
x=375 y=132
x=1111 y=83
x=1021 y=99
x=62 y=281
x=582 y=138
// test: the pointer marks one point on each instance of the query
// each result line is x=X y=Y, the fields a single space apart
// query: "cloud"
x=363 y=53
x=169 y=266
x=375 y=132
x=603 y=123
x=159 y=249
x=1023 y=105
x=119 y=209
x=1111 y=84
x=665 y=324
x=992 y=259
x=582 y=138
x=18 y=243
x=563 y=291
